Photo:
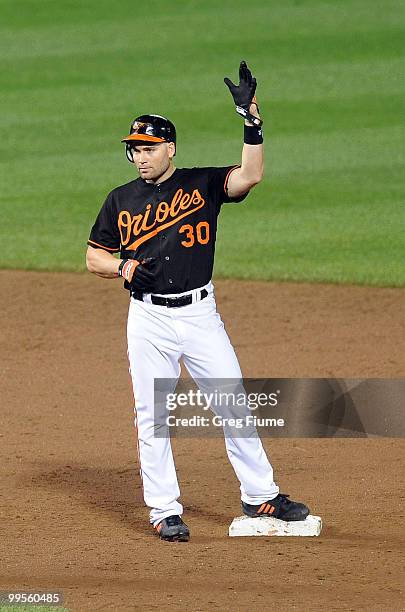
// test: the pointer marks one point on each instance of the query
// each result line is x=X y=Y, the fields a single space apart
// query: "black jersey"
x=174 y=221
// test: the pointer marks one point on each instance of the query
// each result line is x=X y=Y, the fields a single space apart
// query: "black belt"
x=172 y=302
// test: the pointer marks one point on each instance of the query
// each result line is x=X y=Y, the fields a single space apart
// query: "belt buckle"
x=177 y=302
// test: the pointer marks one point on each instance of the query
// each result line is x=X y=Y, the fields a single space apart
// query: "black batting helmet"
x=148 y=129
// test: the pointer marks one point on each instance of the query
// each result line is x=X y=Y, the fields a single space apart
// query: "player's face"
x=153 y=160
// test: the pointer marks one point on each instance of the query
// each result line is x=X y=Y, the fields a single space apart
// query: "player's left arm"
x=250 y=173
x=251 y=170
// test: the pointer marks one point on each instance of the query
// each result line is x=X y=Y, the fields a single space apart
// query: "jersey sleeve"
x=104 y=233
x=218 y=183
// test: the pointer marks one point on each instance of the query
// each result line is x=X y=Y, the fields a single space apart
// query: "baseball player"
x=164 y=226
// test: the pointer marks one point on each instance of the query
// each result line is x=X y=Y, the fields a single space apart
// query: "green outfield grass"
x=332 y=95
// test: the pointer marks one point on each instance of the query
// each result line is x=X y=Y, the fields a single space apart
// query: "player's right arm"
x=102 y=263
x=139 y=274
x=104 y=241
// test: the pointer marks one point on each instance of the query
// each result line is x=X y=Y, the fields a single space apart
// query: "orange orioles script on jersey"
x=174 y=221
x=146 y=225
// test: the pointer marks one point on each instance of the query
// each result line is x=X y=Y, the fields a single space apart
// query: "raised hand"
x=243 y=93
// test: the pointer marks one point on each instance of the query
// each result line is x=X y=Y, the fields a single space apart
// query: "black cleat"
x=173 y=529
x=280 y=507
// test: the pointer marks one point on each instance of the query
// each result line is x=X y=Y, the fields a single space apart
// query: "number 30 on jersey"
x=201 y=233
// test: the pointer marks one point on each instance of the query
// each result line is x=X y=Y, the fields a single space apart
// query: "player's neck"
x=163 y=177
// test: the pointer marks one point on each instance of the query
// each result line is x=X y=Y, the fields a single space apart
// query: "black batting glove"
x=144 y=277
x=243 y=93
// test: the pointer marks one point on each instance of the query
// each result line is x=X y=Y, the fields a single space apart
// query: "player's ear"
x=171 y=148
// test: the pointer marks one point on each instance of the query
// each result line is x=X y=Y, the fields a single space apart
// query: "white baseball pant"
x=158 y=338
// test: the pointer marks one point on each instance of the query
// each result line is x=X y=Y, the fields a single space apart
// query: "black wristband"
x=126 y=269
x=122 y=264
x=253 y=135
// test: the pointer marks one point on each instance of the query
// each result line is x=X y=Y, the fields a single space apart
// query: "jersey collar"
x=162 y=184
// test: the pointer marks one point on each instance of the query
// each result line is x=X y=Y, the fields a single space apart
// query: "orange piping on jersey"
x=227 y=177
x=101 y=246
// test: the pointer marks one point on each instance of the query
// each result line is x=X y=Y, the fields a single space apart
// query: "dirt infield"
x=72 y=516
